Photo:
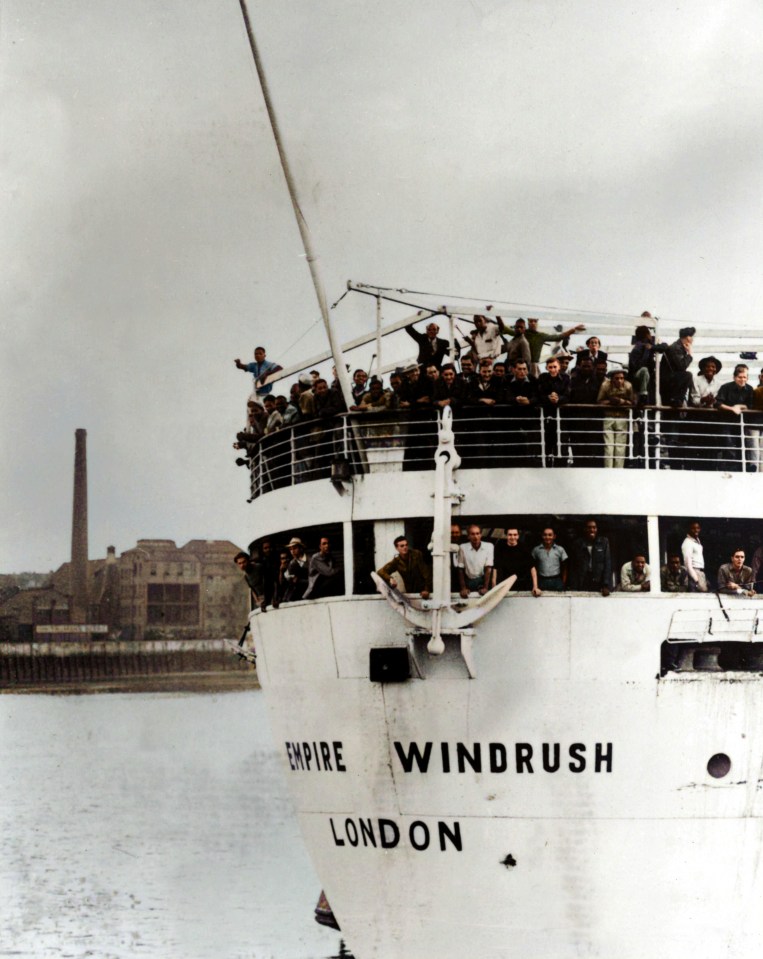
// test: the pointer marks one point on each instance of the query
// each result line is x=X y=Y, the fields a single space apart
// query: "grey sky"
x=604 y=156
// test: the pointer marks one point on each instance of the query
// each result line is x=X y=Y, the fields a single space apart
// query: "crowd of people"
x=288 y=574
x=478 y=564
x=507 y=408
x=585 y=566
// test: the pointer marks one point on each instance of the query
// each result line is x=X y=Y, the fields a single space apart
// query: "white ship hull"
x=630 y=848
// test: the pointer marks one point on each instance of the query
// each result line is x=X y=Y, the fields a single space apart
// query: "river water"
x=150 y=824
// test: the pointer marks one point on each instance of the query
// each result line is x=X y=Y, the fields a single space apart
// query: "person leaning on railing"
x=448 y=391
x=754 y=430
x=673 y=575
x=635 y=575
x=617 y=395
x=376 y=399
x=553 y=394
x=734 y=398
x=735 y=578
x=550 y=560
x=407 y=570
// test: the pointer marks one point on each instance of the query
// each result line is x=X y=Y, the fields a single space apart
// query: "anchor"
x=439 y=615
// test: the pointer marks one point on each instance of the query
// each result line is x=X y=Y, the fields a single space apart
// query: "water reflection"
x=152 y=824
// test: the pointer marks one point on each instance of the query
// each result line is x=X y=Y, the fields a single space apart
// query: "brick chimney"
x=79 y=590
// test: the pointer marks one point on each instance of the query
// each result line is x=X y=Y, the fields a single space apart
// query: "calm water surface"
x=152 y=825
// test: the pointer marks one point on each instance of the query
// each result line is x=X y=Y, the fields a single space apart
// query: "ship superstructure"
x=511 y=775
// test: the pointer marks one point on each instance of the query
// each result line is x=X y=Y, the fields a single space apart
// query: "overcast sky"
x=600 y=155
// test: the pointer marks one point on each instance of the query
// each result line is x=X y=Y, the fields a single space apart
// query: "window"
x=173 y=604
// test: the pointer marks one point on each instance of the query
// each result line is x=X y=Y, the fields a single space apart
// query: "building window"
x=173 y=604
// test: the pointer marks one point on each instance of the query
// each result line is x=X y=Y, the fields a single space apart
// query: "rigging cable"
x=362 y=287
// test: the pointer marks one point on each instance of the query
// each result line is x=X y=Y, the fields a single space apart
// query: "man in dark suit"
x=432 y=348
x=593 y=351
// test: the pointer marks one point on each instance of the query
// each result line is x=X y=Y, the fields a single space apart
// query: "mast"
x=304 y=231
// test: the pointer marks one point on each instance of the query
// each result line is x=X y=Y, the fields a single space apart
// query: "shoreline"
x=183 y=682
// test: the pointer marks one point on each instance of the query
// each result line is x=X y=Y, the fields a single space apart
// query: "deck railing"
x=502 y=437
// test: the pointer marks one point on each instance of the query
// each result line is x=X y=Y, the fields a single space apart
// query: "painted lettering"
x=474 y=758
x=528 y=757
x=338 y=747
x=547 y=764
x=387 y=834
x=498 y=758
x=352 y=832
x=413 y=754
x=316 y=756
x=337 y=840
x=419 y=835
x=367 y=832
x=603 y=757
x=577 y=753
x=524 y=753
x=453 y=835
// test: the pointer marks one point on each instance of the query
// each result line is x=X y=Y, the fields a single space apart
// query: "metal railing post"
x=742 y=441
x=658 y=437
x=558 y=433
x=293 y=457
x=541 y=420
x=630 y=434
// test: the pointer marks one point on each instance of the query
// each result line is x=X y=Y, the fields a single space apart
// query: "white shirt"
x=473 y=561
x=702 y=388
x=694 y=557
x=487 y=344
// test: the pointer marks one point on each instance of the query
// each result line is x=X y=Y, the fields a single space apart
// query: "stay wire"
x=481 y=299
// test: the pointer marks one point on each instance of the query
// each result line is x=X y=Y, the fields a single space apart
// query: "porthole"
x=719 y=765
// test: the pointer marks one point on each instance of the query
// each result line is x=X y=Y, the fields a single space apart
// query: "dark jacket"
x=586 y=355
x=294 y=588
x=417 y=576
x=328 y=405
x=475 y=393
x=583 y=390
x=454 y=393
x=590 y=571
x=548 y=384
x=430 y=352
x=527 y=388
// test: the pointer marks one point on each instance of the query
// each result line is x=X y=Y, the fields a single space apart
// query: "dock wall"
x=24 y=664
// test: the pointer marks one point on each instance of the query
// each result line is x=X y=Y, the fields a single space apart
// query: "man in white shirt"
x=486 y=341
x=475 y=563
x=694 y=559
x=635 y=576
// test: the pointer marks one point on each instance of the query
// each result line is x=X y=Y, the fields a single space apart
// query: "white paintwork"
x=655 y=859
x=515 y=492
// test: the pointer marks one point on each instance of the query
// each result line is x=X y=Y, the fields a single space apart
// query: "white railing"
x=509 y=437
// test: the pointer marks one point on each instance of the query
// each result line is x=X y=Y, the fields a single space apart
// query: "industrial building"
x=155 y=590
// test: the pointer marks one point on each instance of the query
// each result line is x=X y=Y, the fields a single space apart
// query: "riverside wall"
x=78 y=663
